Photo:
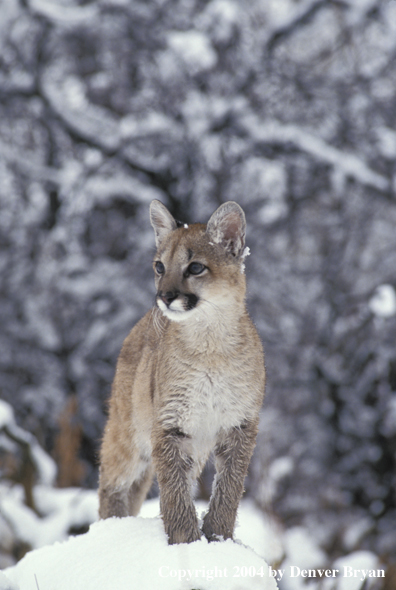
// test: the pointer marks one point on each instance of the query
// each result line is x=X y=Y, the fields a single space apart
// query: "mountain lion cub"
x=189 y=380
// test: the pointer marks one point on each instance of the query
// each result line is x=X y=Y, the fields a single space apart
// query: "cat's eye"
x=160 y=268
x=195 y=268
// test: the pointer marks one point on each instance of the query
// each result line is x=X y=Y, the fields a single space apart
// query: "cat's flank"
x=189 y=381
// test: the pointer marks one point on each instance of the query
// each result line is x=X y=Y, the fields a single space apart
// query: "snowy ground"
x=118 y=553
x=133 y=553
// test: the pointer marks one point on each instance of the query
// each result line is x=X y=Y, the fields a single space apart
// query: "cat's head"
x=199 y=269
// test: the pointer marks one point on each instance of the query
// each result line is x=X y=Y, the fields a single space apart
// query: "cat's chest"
x=206 y=402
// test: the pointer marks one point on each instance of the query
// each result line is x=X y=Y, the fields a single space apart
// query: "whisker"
x=157 y=318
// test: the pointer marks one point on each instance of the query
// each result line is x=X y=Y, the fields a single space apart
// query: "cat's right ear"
x=161 y=220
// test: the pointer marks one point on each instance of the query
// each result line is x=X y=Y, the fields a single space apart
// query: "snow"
x=278 y=469
x=194 y=49
x=302 y=552
x=109 y=127
x=356 y=532
x=60 y=510
x=133 y=552
x=359 y=560
x=361 y=6
x=65 y=15
x=245 y=254
x=6 y=415
x=386 y=142
x=265 y=181
x=29 y=164
x=132 y=127
x=271 y=212
x=282 y=14
x=45 y=465
x=100 y=190
x=67 y=98
x=348 y=164
x=40 y=324
x=128 y=552
x=258 y=531
x=220 y=17
x=383 y=302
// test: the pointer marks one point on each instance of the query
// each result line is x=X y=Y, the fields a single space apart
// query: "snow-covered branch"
x=27 y=164
x=347 y=164
x=91 y=122
x=290 y=21
x=44 y=465
x=67 y=16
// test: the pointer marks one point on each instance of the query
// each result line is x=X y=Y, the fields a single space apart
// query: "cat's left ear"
x=227 y=227
x=161 y=220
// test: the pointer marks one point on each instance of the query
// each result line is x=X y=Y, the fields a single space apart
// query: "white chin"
x=176 y=315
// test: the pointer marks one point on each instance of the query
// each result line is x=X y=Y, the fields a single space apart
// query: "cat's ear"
x=161 y=220
x=227 y=227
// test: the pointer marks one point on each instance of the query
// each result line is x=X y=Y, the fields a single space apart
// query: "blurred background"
x=287 y=107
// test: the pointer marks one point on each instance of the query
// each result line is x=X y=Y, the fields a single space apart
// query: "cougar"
x=189 y=381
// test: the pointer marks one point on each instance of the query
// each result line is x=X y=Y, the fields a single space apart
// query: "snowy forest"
x=287 y=107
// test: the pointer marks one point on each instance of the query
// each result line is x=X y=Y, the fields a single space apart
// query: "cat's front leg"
x=232 y=457
x=175 y=468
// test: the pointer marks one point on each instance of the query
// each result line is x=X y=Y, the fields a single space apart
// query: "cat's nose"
x=168 y=297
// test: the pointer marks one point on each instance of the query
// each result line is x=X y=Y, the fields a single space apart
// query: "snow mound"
x=132 y=552
x=253 y=528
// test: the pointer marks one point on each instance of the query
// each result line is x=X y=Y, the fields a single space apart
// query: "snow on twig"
x=348 y=164
x=28 y=164
x=44 y=464
x=287 y=21
x=92 y=122
x=65 y=15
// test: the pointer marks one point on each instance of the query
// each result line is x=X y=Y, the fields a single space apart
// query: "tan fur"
x=189 y=381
